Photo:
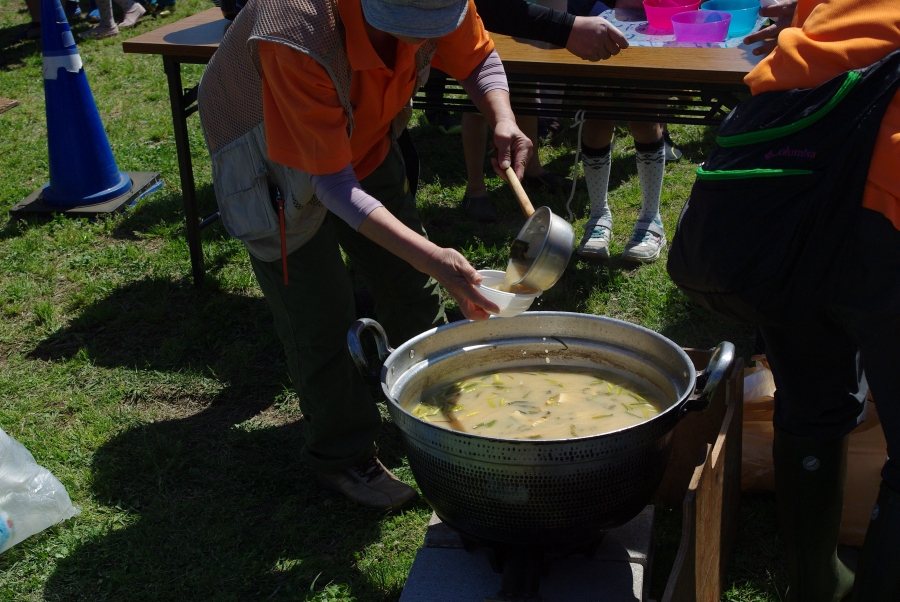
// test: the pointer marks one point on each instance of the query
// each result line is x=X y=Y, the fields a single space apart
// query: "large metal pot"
x=541 y=492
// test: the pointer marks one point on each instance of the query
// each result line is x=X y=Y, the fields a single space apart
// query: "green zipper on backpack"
x=739 y=174
x=770 y=134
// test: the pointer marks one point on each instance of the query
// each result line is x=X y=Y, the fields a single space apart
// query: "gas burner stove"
x=454 y=567
x=523 y=566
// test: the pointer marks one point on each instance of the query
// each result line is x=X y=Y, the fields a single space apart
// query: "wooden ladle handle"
x=516 y=185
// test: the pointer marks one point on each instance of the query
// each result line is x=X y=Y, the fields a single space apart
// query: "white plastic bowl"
x=510 y=304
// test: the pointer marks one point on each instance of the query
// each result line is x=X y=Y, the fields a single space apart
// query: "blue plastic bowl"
x=744 y=14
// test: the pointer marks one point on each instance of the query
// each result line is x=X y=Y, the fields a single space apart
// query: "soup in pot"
x=537 y=403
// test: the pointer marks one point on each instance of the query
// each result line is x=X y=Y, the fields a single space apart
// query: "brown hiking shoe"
x=369 y=484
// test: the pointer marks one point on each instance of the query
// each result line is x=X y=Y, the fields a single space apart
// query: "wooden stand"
x=705 y=476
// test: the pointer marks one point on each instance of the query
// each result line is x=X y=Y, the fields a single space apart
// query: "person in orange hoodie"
x=825 y=364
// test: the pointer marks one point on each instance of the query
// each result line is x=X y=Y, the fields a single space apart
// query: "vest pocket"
x=242 y=191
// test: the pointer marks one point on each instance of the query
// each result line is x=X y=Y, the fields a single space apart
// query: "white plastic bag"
x=31 y=498
x=759 y=383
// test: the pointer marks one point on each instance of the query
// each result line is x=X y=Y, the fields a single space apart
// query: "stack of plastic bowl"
x=701 y=26
x=744 y=14
x=660 y=12
x=510 y=304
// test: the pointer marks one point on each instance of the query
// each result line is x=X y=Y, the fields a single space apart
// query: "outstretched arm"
x=589 y=38
x=595 y=39
x=342 y=194
x=522 y=19
x=447 y=266
x=488 y=89
x=782 y=15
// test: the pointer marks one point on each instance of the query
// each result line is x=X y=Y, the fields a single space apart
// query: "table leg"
x=185 y=168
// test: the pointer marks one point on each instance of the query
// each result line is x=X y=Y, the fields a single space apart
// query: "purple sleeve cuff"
x=487 y=76
x=341 y=194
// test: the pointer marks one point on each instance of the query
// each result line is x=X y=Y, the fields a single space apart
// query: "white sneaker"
x=100 y=31
x=132 y=15
x=647 y=242
x=595 y=243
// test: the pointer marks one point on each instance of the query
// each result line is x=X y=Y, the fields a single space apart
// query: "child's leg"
x=475 y=203
x=34 y=10
x=33 y=31
x=648 y=238
x=596 y=159
x=106 y=13
x=72 y=9
x=107 y=26
x=535 y=175
x=94 y=14
x=132 y=12
x=164 y=8
x=474 y=141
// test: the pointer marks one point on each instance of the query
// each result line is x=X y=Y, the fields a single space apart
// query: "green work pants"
x=315 y=310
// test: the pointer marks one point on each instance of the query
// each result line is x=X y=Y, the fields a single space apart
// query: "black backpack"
x=763 y=233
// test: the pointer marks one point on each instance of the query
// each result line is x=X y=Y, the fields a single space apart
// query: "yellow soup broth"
x=515 y=271
x=516 y=289
x=536 y=404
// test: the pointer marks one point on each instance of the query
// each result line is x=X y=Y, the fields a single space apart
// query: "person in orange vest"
x=310 y=98
x=825 y=363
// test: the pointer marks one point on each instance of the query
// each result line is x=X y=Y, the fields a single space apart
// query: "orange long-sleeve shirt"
x=305 y=123
x=830 y=37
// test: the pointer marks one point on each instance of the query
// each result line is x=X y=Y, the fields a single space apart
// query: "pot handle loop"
x=708 y=380
x=354 y=342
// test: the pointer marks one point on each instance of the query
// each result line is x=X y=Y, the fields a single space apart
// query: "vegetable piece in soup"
x=537 y=404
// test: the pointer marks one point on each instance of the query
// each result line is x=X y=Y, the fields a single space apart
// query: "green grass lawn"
x=167 y=411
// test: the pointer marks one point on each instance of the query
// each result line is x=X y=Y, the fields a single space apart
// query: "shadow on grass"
x=219 y=505
x=573 y=290
x=219 y=512
x=693 y=326
x=440 y=157
x=161 y=210
x=758 y=564
x=696 y=151
x=14 y=228
x=165 y=208
x=13 y=52
x=157 y=324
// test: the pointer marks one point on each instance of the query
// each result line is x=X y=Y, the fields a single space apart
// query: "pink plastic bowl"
x=701 y=26
x=660 y=12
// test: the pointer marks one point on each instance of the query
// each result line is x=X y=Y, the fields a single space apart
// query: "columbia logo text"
x=787 y=151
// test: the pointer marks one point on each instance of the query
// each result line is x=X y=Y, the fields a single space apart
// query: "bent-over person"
x=310 y=99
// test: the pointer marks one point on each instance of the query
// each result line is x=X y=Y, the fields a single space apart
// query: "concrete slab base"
x=141 y=183
x=444 y=571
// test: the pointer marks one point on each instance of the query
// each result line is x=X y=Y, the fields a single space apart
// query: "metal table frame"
x=606 y=98
x=184 y=104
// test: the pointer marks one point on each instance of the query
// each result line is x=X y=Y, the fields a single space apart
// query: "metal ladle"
x=544 y=245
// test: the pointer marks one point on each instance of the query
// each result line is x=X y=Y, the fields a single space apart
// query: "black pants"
x=826 y=361
x=312 y=315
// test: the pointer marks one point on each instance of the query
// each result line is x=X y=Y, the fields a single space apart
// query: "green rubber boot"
x=809 y=492
x=878 y=572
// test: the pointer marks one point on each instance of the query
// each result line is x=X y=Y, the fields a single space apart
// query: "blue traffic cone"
x=82 y=168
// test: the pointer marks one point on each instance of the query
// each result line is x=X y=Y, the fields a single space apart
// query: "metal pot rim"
x=676 y=406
